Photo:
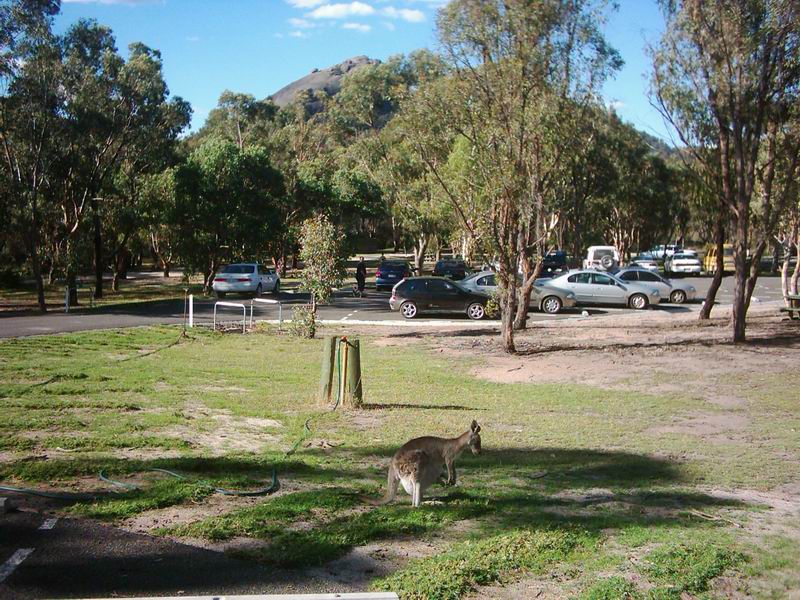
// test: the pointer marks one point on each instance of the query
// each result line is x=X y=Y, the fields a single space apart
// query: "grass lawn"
x=574 y=491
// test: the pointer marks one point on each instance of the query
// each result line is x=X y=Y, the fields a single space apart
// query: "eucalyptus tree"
x=31 y=98
x=725 y=74
x=517 y=70
x=226 y=206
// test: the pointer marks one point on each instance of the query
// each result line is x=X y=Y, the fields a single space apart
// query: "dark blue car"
x=390 y=272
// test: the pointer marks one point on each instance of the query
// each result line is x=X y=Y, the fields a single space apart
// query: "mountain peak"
x=328 y=79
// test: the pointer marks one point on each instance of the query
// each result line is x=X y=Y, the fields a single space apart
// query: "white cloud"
x=298 y=34
x=389 y=25
x=412 y=15
x=305 y=3
x=301 y=23
x=340 y=11
x=192 y=38
x=357 y=27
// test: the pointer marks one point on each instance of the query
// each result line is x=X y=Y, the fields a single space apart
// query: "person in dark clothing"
x=361 y=275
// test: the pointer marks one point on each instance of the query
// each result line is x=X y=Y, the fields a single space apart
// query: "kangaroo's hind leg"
x=391 y=485
x=417 y=497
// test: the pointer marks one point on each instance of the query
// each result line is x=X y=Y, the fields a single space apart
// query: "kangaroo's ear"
x=478 y=429
x=474 y=426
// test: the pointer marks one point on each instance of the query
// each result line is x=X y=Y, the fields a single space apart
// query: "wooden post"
x=344 y=351
x=326 y=374
x=354 y=389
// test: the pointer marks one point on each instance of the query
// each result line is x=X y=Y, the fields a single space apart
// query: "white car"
x=601 y=257
x=645 y=263
x=548 y=300
x=674 y=291
x=685 y=262
x=245 y=278
x=592 y=287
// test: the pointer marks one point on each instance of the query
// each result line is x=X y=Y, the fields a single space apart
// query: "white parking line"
x=12 y=563
x=349 y=315
x=48 y=523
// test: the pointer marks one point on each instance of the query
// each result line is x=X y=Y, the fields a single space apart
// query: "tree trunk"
x=529 y=276
x=796 y=275
x=755 y=264
x=98 y=252
x=165 y=265
x=508 y=308
x=740 y=280
x=716 y=281
x=37 y=275
x=420 y=247
x=395 y=235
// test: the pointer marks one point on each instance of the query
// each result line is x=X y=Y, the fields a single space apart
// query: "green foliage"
x=323 y=253
x=226 y=205
x=304 y=322
x=688 y=568
x=460 y=570
x=612 y=588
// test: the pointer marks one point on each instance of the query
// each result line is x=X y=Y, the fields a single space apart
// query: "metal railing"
x=232 y=305
x=267 y=301
x=77 y=289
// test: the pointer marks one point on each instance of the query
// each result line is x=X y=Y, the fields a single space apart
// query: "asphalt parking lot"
x=372 y=308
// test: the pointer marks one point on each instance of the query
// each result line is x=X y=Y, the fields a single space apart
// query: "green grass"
x=128 y=401
x=469 y=564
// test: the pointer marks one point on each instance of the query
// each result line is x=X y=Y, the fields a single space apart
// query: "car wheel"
x=638 y=301
x=607 y=262
x=476 y=311
x=551 y=305
x=677 y=297
x=259 y=290
x=408 y=310
x=220 y=295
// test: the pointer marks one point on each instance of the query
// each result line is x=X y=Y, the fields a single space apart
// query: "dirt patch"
x=229 y=433
x=704 y=424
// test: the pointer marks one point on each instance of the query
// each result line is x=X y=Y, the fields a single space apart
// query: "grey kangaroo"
x=420 y=462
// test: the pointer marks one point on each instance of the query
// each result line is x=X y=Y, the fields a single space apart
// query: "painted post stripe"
x=12 y=563
x=49 y=523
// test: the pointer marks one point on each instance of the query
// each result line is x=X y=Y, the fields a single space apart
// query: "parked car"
x=644 y=262
x=662 y=251
x=592 y=287
x=684 y=262
x=674 y=291
x=547 y=300
x=710 y=259
x=389 y=272
x=601 y=257
x=453 y=268
x=245 y=278
x=554 y=263
x=417 y=295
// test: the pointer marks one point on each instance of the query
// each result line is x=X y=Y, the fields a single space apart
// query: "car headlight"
x=654 y=293
x=692 y=288
x=571 y=296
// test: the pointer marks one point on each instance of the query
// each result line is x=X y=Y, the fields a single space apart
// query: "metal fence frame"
x=232 y=305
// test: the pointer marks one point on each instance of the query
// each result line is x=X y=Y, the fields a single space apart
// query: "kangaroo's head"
x=475 y=438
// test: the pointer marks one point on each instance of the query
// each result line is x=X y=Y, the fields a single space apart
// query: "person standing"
x=361 y=275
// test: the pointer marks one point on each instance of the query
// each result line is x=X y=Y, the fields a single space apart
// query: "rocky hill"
x=329 y=79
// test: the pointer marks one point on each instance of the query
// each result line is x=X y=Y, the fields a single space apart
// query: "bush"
x=304 y=322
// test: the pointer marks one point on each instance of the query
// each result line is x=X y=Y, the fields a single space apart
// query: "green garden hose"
x=270 y=489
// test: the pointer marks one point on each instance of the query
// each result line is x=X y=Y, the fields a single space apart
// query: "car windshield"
x=393 y=266
x=239 y=269
x=600 y=253
x=683 y=256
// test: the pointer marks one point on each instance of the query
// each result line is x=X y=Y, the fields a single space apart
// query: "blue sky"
x=258 y=46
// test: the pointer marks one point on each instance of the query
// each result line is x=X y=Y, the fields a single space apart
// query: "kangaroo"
x=420 y=462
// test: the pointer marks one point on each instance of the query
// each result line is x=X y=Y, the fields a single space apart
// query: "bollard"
x=354 y=394
x=326 y=374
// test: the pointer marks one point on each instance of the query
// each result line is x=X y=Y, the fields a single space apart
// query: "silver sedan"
x=671 y=290
x=594 y=287
x=548 y=300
